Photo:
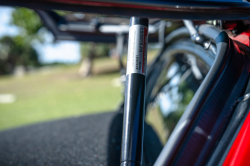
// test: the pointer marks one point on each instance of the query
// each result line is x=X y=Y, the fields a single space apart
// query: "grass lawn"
x=60 y=92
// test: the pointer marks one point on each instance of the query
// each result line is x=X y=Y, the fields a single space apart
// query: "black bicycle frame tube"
x=211 y=107
x=134 y=108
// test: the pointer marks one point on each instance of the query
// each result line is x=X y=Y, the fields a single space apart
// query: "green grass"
x=62 y=93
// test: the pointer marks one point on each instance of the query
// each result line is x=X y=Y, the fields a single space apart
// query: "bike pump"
x=134 y=107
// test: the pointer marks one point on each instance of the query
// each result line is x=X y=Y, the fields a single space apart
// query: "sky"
x=49 y=52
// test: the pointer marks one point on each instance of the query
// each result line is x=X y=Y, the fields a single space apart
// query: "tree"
x=89 y=52
x=14 y=52
x=18 y=50
x=29 y=24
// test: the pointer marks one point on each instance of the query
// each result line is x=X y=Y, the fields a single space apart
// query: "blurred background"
x=43 y=79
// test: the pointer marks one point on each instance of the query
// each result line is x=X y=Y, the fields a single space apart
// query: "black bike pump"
x=134 y=107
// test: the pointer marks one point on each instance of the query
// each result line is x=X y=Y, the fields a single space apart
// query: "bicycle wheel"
x=173 y=81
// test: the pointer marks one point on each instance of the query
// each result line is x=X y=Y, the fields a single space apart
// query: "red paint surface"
x=239 y=154
x=243 y=38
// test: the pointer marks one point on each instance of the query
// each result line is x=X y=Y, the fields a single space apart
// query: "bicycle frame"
x=200 y=137
x=195 y=10
x=208 y=92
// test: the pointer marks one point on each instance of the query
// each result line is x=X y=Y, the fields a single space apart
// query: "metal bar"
x=188 y=9
x=134 y=108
